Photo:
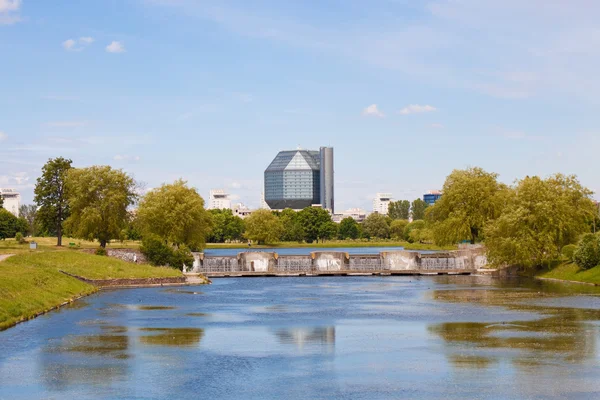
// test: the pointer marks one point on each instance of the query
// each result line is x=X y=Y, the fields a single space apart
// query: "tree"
x=472 y=198
x=98 y=199
x=375 y=226
x=314 y=221
x=587 y=254
x=51 y=198
x=418 y=207
x=175 y=213
x=417 y=232
x=348 y=229
x=397 y=228
x=225 y=226
x=1 y=202
x=28 y=212
x=293 y=230
x=399 y=209
x=11 y=225
x=541 y=217
x=263 y=227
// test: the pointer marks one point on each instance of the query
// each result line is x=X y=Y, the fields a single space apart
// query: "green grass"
x=571 y=272
x=30 y=283
x=10 y=246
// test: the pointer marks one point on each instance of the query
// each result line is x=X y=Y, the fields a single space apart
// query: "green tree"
x=50 y=196
x=1 y=202
x=541 y=217
x=417 y=232
x=225 y=226
x=399 y=209
x=263 y=227
x=316 y=223
x=98 y=199
x=28 y=212
x=587 y=254
x=397 y=228
x=11 y=225
x=417 y=208
x=348 y=229
x=376 y=226
x=175 y=213
x=472 y=198
x=293 y=230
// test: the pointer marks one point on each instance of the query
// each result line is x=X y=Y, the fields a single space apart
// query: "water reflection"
x=305 y=336
x=178 y=337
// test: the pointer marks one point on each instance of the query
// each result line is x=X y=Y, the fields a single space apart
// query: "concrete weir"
x=257 y=263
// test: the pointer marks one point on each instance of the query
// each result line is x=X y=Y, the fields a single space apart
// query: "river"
x=444 y=337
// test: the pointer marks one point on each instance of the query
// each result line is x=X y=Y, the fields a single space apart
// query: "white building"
x=263 y=203
x=241 y=210
x=381 y=202
x=12 y=200
x=358 y=214
x=219 y=200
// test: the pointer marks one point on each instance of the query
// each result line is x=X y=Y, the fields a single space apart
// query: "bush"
x=587 y=254
x=180 y=257
x=19 y=238
x=157 y=252
x=101 y=251
x=568 y=251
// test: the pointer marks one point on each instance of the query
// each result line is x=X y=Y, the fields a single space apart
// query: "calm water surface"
x=313 y=338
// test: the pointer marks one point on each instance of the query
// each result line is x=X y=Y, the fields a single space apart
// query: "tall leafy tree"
x=417 y=208
x=225 y=226
x=376 y=226
x=262 y=226
x=472 y=198
x=399 y=209
x=293 y=230
x=28 y=212
x=542 y=216
x=348 y=229
x=50 y=196
x=397 y=228
x=316 y=223
x=11 y=225
x=175 y=213
x=98 y=199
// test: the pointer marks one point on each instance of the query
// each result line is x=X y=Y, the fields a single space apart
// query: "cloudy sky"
x=211 y=90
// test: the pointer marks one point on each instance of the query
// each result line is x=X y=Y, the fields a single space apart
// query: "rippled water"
x=457 y=337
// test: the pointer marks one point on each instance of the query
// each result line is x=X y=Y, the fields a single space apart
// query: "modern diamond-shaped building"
x=298 y=179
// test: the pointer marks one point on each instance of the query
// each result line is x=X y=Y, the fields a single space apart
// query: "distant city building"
x=263 y=203
x=431 y=197
x=358 y=214
x=240 y=210
x=298 y=179
x=219 y=200
x=381 y=203
x=12 y=200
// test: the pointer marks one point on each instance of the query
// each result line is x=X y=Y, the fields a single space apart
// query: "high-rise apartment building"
x=218 y=200
x=431 y=197
x=381 y=203
x=12 y=200
x=298 y=179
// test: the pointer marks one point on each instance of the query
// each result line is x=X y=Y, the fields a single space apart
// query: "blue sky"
x=404 y=90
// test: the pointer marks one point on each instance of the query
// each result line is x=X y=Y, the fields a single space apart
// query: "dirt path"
x=5 y=256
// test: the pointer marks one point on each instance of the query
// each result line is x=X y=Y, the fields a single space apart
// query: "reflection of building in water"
x=307 y=336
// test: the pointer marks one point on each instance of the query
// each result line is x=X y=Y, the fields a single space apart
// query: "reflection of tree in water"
x=179 y=337
x=304 y=336
x=88 y=359
x=561 y=335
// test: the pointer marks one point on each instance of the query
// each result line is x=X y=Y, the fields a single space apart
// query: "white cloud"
x=66 y=124
x=3 y=136
x=126 y=157
x=9 y=12
x=77 y=45
x=437 y=126
x=9 y=5
x=115 y=47
x=372 y=111
x=235 y=185
x=416 y=108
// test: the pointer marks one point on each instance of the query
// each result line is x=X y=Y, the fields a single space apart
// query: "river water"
x=445 y=337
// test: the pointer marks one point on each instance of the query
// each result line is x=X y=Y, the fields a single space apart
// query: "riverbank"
x=569 y=272
x=34 y=283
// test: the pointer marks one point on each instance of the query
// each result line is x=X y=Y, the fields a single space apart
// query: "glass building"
x=431 y=197
x=295 y=179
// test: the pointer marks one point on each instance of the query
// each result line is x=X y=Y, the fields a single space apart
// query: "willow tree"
x=98 y=199
x=175 y=213
x=541 y=217
x=471 y=198
x=263 y=227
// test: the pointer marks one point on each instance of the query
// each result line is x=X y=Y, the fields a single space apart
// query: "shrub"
x=19 y=238
x=568 y=251
x=157 y=252
x=587 y=254
x=101 y=251
x=180 y=257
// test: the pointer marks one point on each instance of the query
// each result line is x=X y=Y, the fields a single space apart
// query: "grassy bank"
x=10 y=246
x=571 y=272
x=30 y=283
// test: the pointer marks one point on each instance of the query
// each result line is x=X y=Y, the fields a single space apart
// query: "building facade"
x=298 y=179
x=358 y=214
x=381 y=203
x=218 y=200
x=12 y=200
x=431 y=197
